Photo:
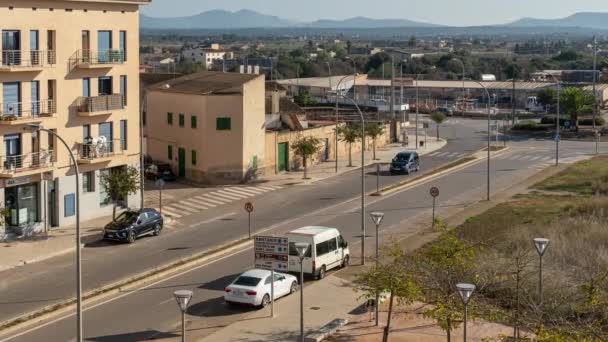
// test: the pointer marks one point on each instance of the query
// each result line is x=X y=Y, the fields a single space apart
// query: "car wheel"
x=265 y=301
x=131 y=237
x=345 y=261
x=294 y=287
x=321 y=272
x=157 y=229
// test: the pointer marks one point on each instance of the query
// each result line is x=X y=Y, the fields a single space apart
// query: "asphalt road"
x=151 y=312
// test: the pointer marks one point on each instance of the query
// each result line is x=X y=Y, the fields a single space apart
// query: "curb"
x=51 y=311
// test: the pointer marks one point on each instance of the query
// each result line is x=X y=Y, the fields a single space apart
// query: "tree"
x=546 y=97
x=412 y=42
x=374 y=131
x=120 y=183
x=349 y=46
x=574 y=102
x=350 y=133
x=391 y=275
x=438 y=118
x=306 y=147
x=303 y=99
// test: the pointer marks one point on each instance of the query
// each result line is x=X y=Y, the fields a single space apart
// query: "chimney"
x=275 y=102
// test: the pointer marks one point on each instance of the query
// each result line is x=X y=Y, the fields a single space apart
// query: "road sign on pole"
x=249 y=210
x=434 y=192
x=271 y=253
x=160 y=184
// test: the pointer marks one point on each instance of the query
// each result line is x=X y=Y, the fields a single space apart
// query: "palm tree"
x=575 y=101
x=350 y=133
x=438 y=118
x=374 y=131
x=306 y=147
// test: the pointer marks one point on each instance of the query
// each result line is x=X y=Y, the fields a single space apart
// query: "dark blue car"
x=130 y=225
x=405 y=162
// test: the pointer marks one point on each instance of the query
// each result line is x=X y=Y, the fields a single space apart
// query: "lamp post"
x=301 y=247
x=558 y=86
x=183 y=297
x=463 y=79
x=34 y=128
x=489 y=138
x=541 y=245
x=465 y=291
x=338 y=108
x=377 y=218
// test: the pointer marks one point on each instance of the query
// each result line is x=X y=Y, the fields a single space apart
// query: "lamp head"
x=377 y=217
x=465 y=291
x=541 y=245
x=182 y=297
x=301 y=247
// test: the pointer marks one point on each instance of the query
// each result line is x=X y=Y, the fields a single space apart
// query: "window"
x=181 y=120
x=105 y=85
x=106 y=130
x=123 y=135
x=123 y=89
x=170 y=152
x=193 y=157
x=69 y=205
x=88 y=181
x=104 y=45
x=122 y=41
x=193 y=122
x=222 y=124
x=143 y=118
x=322 y=248
x=170 y=118
x=50 y=46
x=332 y=245
x=104 y=198
x=11 y=97
x=86 y=87
x=35 y=97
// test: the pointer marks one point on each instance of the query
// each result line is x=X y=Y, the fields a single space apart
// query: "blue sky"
x=448 y=12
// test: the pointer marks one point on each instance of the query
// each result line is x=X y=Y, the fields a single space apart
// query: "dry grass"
x=584 y=178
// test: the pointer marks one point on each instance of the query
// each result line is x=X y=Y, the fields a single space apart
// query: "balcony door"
x=104 y=44
x=12 y=151
x=34 y=47
x=105 y=130
x=11 y=47
x=35 y=98
x=86 y=47
x=105 y=86
x=11 y=98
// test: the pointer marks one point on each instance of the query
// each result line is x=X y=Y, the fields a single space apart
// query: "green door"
x=182 y=162
x=283 y=155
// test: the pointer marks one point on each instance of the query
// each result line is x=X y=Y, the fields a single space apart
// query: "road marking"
x=171 y=213
x=225 y=197
x=194 y=225
x=252 y=190
x=442 y=154
x=182 y=208
x=534 y=158
x=195 y=205
x=201 y=202
x=208 y=198
x=270 y=187
x=545 y=158
x=232 y=193
x=433 y=154
x=239 y=192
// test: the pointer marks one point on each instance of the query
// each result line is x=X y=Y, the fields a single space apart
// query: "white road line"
x=534 y=158
x=269 y=187
x=210 y=199
x=201 y=202
x=235 y=193
x=212 y=220
x=182 y=208
x=442 y=154
x=433 y=154
x=195 y=205
x=226 y=196
x=545 y=158
x=525 y=158
x=245 y=191
x=454 y=154
x=255 y=189
x=171 y=213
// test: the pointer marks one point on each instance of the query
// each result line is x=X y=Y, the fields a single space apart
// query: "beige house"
x=209 y=126
x=71 y=66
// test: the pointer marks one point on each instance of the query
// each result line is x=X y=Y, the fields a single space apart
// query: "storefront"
x=21 y=200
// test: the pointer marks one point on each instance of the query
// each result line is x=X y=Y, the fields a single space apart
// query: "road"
x=151 y=312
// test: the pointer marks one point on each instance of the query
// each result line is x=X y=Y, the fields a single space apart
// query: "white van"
x=328 y=250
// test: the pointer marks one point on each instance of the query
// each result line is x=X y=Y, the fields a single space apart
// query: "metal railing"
x=26 y=110
x=100 y=103
x=30 y=161
x=100 y=150
x=93 y=57
x=34 y=58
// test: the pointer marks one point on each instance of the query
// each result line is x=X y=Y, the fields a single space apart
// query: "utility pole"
x=392 y=106
x=595 y=109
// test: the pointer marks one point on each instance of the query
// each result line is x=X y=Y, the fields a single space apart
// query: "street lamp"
x=465 y=291
x=301 y=247
x=489 y=137
x=463 y=79
x=377 y=218
x=558 y=86
x=35 y=128
x=183 y=297
x=338 y=107
x=541 y=245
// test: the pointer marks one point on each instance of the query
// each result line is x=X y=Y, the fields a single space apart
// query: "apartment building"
x=207 y=56
x=209 y=126
x=71 y=66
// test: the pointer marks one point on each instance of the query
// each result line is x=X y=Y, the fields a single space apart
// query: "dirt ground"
x=408 y=325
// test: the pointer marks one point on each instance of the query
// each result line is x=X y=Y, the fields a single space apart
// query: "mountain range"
x=220 y=19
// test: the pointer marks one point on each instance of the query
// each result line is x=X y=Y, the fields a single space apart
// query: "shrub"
x=529 y=125
x=588 y=121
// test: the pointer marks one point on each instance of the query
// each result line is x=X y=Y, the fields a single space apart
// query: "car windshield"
x=403 y=157
x=127 y=217
x=247 y=281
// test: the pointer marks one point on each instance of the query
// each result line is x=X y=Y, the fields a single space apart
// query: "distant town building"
x=207 y=55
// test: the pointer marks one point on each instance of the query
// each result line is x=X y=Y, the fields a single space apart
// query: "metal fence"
x=35 y=160
x=102 y=103
x=25 y=110
x=94 y=57
x=100 y=149
x=18 y=58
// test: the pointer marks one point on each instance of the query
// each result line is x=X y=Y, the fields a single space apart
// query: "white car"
x=253 y=287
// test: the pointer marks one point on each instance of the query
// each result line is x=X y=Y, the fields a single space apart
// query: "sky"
x=446 y=12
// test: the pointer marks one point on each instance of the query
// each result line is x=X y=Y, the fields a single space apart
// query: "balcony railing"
x=10 y=165
x=100 y=104
x=92 y=58
x=100 y=150
x=26 y=110
x=26 y=59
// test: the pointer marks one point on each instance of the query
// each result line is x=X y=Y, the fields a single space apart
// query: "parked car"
x=130 y=225
x=405 y=162
x=254 y=287
x=327 y=250
x=160 y=171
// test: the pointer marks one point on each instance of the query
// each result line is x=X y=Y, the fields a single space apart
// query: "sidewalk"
x=324 y=301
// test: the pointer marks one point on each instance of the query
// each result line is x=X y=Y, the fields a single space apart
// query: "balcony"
x=91 y=59
x=20 y=113
x=25 y=61
x=26 y=165
x=100 y=151
x=99 y=105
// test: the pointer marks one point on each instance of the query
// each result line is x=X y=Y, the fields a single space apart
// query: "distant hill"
x=594 y=20
x=363 y=22
x=215 y=19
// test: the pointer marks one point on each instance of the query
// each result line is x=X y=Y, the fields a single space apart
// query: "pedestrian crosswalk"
x=524 y=157
x=448 y=154
x=213 y=199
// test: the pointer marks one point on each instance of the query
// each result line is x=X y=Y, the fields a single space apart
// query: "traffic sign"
x=566 y=123
x=271 y=253
x=557 y=137
x=434 y=191
x=160 y=183
x=249 y=207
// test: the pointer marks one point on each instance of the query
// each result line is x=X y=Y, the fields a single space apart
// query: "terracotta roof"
x=205 y=83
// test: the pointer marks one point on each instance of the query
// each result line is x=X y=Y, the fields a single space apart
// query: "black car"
x=405 y=162
x=160 y=171
x=130 y=225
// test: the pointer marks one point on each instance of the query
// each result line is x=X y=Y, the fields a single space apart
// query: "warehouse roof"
x=205 y=83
